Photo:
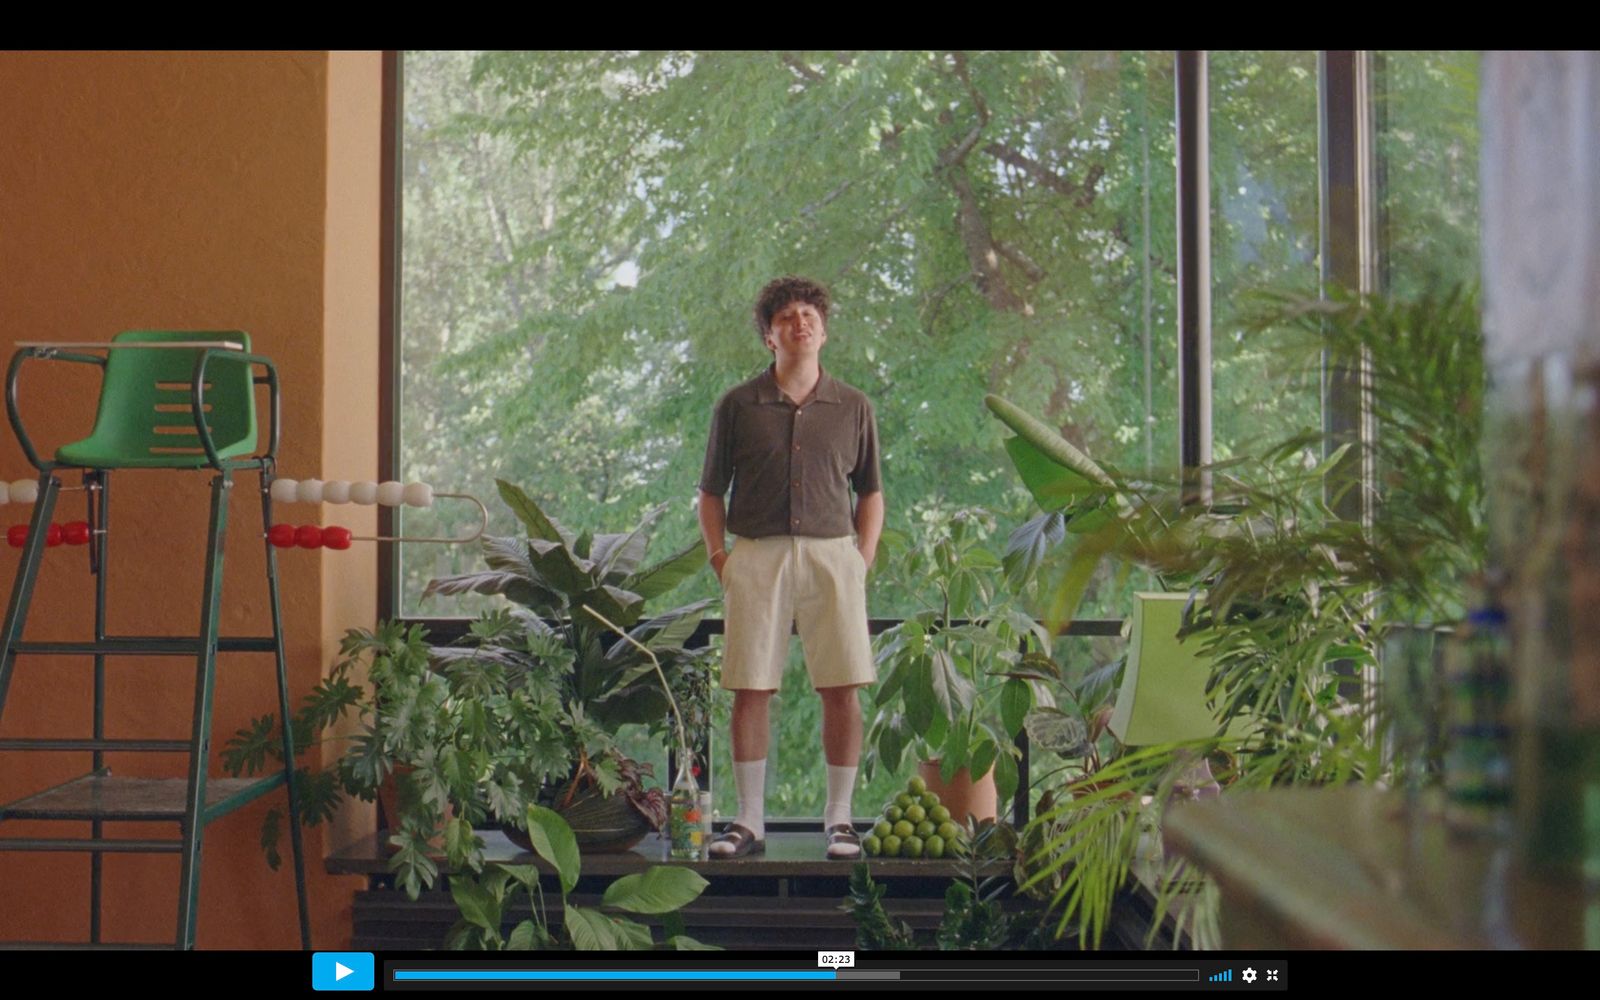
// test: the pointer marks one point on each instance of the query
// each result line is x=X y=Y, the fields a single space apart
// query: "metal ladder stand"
x=169 y=400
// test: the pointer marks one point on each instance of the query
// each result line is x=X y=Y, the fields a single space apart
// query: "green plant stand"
x=174 y=400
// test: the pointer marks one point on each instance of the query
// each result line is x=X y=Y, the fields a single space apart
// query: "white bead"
x=418 y=495
x=364 y=492
x=284 y=490
x=336 y=491
x=25 y=491
x=5 y=492
x=310 y=491
x=391 y=493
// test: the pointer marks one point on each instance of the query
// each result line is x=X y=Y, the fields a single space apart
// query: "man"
x=792 y=441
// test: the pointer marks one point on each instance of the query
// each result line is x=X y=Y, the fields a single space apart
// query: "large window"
x=583 y=235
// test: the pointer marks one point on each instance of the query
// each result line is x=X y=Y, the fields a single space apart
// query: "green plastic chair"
x=145 y=420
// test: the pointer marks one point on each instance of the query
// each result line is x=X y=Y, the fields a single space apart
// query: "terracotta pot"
x=962 y=796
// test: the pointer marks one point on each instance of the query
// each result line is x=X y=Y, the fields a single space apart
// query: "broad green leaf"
x=891 y=682
x=653 y=581
x=485 y=582
x=532 y=517
x=680 y=942
x=980 y=558
x=553 y=840
x=526 y=875
x=922 y=705
x=621 y=554
x=957 y=747
x=1016 y=701
x=477 y=904
x=559 y=568
x=591 y=930
x=1005 y=777
x=658 y=889
x=621 y=607
x=984 y=751
x=1092 y=520
x=508 y=554
x=527 y=936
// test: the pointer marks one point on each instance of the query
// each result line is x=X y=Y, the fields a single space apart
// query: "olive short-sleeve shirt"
x=791 y=467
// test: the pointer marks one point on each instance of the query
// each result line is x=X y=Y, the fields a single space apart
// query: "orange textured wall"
x=170 y=190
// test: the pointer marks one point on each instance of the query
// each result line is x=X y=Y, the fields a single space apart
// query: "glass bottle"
x=684 y=836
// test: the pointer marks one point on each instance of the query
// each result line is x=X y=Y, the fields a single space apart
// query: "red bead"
x=335 y=537
x=17 y=535
x=281 y=535
x=52 y=536
x=75 y=532
x=308 y=536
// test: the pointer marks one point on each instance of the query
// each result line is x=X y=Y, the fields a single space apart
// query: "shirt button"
x=796 y=522
x=796 y=483
x=796 y=447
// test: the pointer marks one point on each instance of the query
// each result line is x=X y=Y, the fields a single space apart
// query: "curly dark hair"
x=781 y=291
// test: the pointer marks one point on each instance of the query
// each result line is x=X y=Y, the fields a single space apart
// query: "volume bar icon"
x=1226 y=976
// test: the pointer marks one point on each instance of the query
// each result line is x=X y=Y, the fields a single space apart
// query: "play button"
x=342 y=970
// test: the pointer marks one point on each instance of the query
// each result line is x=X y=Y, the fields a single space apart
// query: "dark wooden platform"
x=789 y=897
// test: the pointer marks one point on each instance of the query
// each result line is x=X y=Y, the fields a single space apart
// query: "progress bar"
x=515 y=975
x=570 y=975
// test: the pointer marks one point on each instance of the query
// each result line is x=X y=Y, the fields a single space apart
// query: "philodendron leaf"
x=553 y=840
x=660 y=889
x=557 y=566
x=682 y=942
x=653 y=581
x=621 y=607
x=621 y=555
x=539 y=525
x=508 y=554
x=490 y=582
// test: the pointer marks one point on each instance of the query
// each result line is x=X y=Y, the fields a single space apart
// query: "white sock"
x=841 y=788
x=750 y=778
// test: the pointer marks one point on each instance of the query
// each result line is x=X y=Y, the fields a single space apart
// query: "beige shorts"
x=818 y=584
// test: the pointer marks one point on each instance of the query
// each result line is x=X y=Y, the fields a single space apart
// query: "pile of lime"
x=914 y=825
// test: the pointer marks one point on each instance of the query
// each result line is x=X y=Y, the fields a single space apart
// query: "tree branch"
x=806 y=72
x=978 y=242
x=1015 y=255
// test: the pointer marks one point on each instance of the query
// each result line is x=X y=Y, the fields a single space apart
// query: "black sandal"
x=840 y=835
x=743 y=840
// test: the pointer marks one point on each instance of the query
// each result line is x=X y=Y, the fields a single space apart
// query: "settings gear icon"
x=1249 y=975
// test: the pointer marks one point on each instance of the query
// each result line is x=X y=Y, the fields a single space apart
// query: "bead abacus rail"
x=26 y=491
x=367 y=493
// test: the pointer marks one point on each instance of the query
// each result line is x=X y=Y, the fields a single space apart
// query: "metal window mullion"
x=1348 y=262
x=1194 y=275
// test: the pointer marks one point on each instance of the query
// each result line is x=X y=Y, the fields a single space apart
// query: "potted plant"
x=1288 y=599
x=444 y=747
x=571 y=590
x=959 y=680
